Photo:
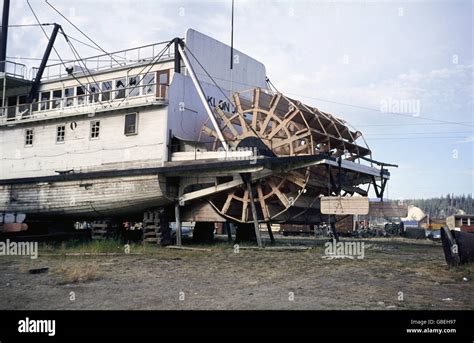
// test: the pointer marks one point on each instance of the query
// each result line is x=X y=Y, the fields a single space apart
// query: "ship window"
x=106 y=88
x=148 y=84
x=81 y=99
x=34 y=105
x=465 y=221
x=57 y=94
x=133 y=89
x=94 y=93
x=69 y=96
x=60 y=133
x=45 y=96
x=23 y=108
x=120 y=89
x=131 y=124
x=11 y=101
x=95 y=129
x=29 y=137
x=163 y=80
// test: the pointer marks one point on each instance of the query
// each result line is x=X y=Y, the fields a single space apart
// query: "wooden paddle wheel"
x=273 y=125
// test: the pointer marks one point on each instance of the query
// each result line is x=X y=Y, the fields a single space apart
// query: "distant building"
x=411 y=224
x=429 y=223
x=463 y=221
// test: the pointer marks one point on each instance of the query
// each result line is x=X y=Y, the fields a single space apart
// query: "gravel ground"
x=394 y=274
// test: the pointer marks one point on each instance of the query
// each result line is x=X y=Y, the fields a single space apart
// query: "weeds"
x=77 y=274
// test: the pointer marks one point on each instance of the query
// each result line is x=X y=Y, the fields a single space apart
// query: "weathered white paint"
x=186 y=113
x=112 y=150
x=70 y=82
x=247 y=72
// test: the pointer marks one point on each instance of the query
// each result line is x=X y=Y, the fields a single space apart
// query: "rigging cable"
x=437 y=121
x=62 y=62
x=149 y=66
x=85 y=35
x=30 y=25
x=93 y=47
x=86 y=70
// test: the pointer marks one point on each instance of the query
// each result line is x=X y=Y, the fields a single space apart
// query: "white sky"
x=344 y=57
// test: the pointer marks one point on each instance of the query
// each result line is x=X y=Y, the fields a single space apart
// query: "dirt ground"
x=394 y=274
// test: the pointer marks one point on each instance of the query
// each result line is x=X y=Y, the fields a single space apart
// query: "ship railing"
x=122 y=58
x=15 y=69
x=87 y=103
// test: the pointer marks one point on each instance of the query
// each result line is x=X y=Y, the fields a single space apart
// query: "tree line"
x=444 y=206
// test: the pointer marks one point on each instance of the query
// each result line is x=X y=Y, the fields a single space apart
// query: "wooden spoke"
x=238 y=106
x=263 y=204
x=228 y=201
x=279 y=194
x=245 y=202
x=271 y=112
x=291 y=139
x=283 y=123
x=227 y=122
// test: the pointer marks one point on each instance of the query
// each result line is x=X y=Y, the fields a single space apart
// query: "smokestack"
x=4 y=34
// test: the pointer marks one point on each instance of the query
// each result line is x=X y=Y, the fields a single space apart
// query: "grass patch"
x=95 y=248
x=77 y=274
x=90 y=247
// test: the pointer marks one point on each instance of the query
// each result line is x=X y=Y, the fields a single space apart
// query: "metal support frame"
x=4 y=36
x=178 y=223
x=270 y=233
x=201 y=94
x=39 y=74
x=4 y=95
x=247 y=180
x=379 y=190
x=177 y=58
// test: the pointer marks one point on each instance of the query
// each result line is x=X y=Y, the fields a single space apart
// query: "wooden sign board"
x=344 y=205
x=388 y=209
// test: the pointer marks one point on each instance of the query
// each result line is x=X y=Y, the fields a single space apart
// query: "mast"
x=39 y=74
x=4 y=34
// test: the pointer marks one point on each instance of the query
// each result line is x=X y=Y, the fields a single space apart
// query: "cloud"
x=467 y=139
